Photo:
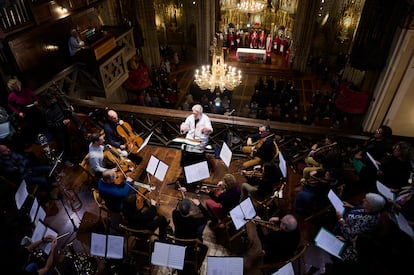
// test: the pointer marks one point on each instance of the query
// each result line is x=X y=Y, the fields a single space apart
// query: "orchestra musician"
x=96 y=154
x=196 y=126
x=276 y=240
x=260 y=147
x=120 y=142
x=114 y=194
x=323 y=156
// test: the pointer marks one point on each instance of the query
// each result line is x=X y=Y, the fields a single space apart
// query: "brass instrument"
x=266 y=224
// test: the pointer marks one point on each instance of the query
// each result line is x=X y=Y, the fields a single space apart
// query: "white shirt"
x=96 y=157
x=194 y=131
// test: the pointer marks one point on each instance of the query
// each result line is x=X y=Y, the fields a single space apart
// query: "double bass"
x=133 y=141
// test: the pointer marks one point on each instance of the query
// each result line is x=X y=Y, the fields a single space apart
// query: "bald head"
x=112 y=116
x=288 y=223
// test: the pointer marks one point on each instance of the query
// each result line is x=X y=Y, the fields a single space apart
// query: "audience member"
x=24 y=103
x=190 y=218
x=147 y=217
x=112 y=192
x=260 y=147
x=223 y=198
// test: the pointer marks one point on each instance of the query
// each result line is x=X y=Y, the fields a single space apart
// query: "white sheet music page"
x=98 y=244
x=224 y=265
x=226 y=154
x=38 y=232
x=385 y=191
x=40 y=216
x=287 y=269
x=161 y=171
x=115 y=247
x=242 y=212
x=196 y=172
x=282 y=165
x=145 y=142
x=328 y=242
x=152 y=165
x=168 y=255
x=373 y=161
x=336 y=202
x=33 y=210
x=48 y=246
x=21 y=194
x=404 y=225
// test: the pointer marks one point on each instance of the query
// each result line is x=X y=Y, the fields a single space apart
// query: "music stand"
x=156 y=168
x=57 y=161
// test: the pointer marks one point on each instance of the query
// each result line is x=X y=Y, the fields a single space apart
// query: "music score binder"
x=169 y=255
x=242 y=213
x=107 y=246
x=330 y=243
x=21 y=194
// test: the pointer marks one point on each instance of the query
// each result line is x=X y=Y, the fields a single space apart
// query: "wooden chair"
x=86 y=167
x=270 y=268
x=104 y=221
x=195 y=253
x=231 y=232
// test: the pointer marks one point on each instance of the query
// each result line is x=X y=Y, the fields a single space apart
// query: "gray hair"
x=290 y=222
x=197 y=108
x=376 y=201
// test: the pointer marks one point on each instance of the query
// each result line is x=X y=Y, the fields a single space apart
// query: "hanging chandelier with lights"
x=251 y=6
x=218 y=75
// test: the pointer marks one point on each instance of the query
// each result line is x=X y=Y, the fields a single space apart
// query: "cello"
x=133 y=140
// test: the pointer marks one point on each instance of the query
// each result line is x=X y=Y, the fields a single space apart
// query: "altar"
x=251 y=55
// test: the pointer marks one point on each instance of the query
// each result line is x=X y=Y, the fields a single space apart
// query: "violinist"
x=146 y=217
x=114 y=194
x=259 y=147
x=96 y=154
x=222 y=199
x=261 y=186
x=278 y=241
x=323 y=156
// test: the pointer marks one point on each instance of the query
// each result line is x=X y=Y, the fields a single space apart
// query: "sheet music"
x=48 y=246
x=385 y=191
x=404 y=225
x=38 y=232
x=145 y=142
x=161 y=171
x=41 y=231
x=40 y=216
x=336 y=202
x=242 y=212
x=168 y=255
x=115 y=247
x=187 y=141
x=328 y=242
x=152 y=165
x=196 y=172
x=4 y=129
x=33 y=210
x=373 y=161
x=287 y=269
x=226 y=154
x=98 y=244
x=282 y=165
x=224 y=265
x=21 y=194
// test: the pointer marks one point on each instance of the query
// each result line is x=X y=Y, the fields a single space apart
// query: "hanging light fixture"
x=218 y=75
x=251 y=6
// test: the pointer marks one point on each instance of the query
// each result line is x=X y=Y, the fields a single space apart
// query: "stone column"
x=303 y=33
x=150 y=51
x=205 y=30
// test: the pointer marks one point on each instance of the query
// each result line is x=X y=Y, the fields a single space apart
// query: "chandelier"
x=218 y=75
x=251 y=6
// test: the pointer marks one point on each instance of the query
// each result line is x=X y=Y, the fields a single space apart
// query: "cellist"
x=260 y=147
x=113 y=137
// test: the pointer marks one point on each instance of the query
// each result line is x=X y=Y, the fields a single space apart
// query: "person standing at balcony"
x=75 y=45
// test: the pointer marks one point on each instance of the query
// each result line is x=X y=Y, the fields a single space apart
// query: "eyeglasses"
x=378 y=131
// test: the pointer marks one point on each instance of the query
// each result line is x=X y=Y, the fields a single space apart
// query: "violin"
x=133 y=141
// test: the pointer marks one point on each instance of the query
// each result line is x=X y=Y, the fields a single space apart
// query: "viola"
x=122 y=164
x=133 y=140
